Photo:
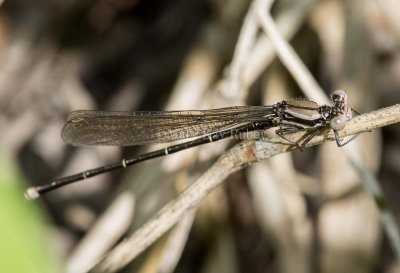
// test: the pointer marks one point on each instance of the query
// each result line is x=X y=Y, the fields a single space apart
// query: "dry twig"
x=238 y=157
x=311 y=88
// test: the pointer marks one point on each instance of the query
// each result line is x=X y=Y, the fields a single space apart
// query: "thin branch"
x=310 y=87
x=243 y=48
x=289 y=21
x=238 y=157
x=106 y=232
x=289 y=57
x=176 y=243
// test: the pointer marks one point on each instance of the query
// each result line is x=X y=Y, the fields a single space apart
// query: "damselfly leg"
x=301 y=142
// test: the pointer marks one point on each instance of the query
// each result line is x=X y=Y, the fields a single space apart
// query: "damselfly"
x=89 y=128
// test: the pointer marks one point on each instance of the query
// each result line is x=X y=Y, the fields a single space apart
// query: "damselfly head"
x=338 y=123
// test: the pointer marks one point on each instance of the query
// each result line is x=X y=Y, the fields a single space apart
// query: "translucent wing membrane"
x=86 y=128
x=136 y=128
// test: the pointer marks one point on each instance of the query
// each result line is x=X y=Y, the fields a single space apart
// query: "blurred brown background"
x=300 y=212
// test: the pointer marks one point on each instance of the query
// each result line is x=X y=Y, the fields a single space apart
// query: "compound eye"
x=339 y=95
x=338 y=123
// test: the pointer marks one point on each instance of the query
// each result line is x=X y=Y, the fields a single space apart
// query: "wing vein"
x=88 y=128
